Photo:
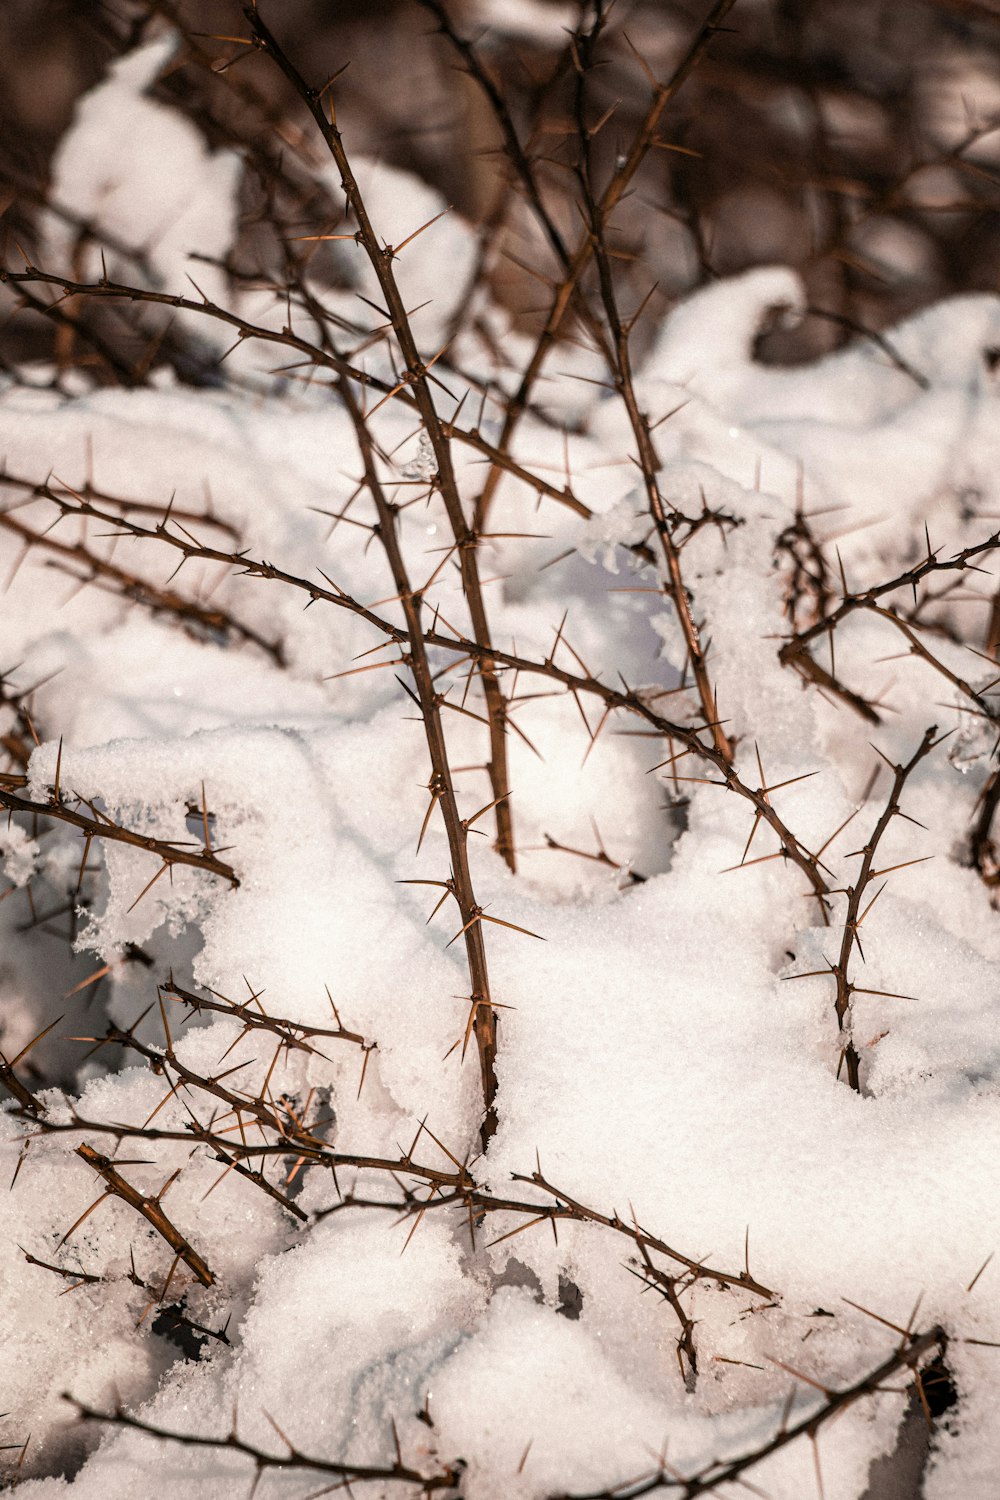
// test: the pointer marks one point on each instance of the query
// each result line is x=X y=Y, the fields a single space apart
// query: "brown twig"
x=21 y=738
x=296 y=1035
x=158 y=598
x=596 y=213
x=294 y=1461
x=855 y=893
x=19 y=1090
x=149 y=1207
x=797 y=654
x=599 y=856
x=312 y=354
x=456 y=1186
x=913 y=1348
x=89 y=491
x=97 y=825
x=416 y=373
x=463 y=648
x=441 y=786
x=868 y=598
x=628 y=165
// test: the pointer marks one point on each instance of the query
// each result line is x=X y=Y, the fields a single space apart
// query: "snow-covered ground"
x=653 y=1062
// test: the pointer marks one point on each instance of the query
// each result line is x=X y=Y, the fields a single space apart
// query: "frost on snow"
x=672 y=1078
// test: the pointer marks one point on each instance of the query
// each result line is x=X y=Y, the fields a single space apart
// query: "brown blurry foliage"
x=849 y=139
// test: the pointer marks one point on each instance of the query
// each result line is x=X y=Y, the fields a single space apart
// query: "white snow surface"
x=653 y=1057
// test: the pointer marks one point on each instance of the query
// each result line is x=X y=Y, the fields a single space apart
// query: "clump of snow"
x=141 y=175
x=527 y=19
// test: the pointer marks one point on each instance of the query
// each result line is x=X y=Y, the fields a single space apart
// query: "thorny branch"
x=856 y=893
x=294 y=1034
x=629 y=162
x=441 y=788
x=250 y=1128
x=170 y=511
x=907 y=1357
x=596 y=216
x=797 y=651
x=983 y=848
x=416 y=376
x=292 y=1461
x=149 y=1207
x=155 y=597
x=19 y=738
x=455 y=1186
x=108 y=290
x=287 y=1135
x=95 y=824
x=913 y=1348
x=626 y=699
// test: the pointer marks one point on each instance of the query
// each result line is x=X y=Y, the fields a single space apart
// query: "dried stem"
x=294 y=1034
x=415 y=375
x=97 y=825
x=156 y=597
x=596 y=214
x=149 y=1207
x=466 y=649
x=906 y=1357
x=441 y=788
x=312 y=354
x=628 y=165
x=293 y=1461
x=983 y=847
x=855 y=894
x=287 y=1136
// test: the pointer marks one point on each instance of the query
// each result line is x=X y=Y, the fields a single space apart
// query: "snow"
x=144 y=175
x=526 y=19
x=658 y=1056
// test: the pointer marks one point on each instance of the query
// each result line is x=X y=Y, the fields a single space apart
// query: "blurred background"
x=858 y=141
